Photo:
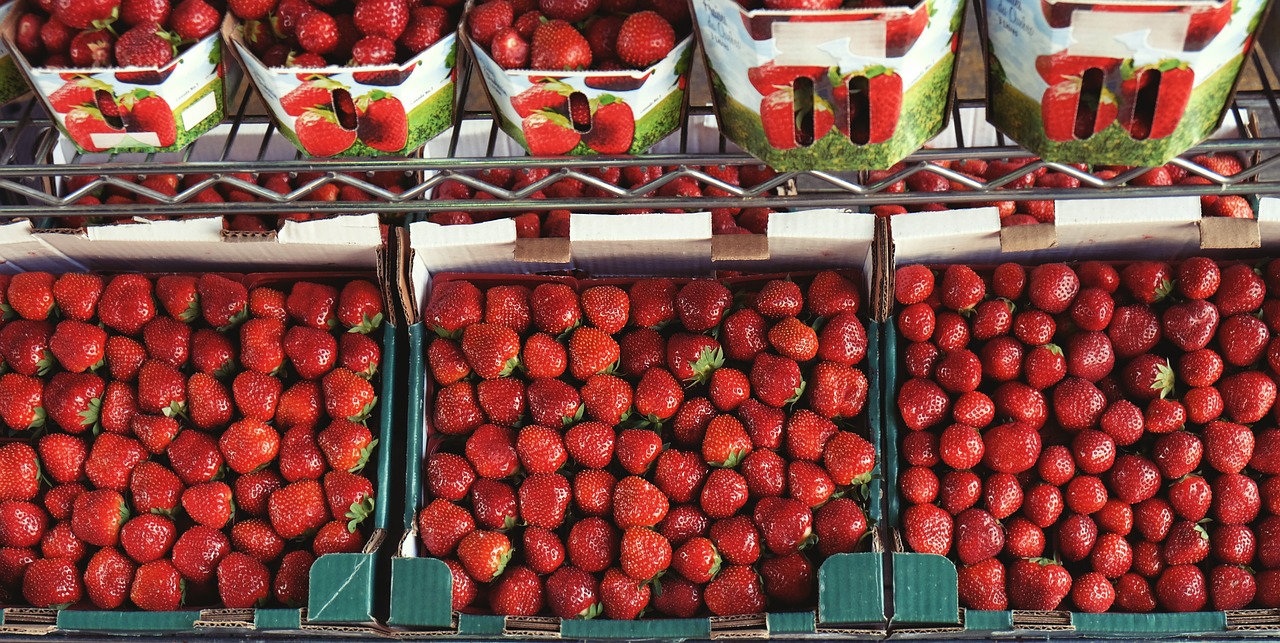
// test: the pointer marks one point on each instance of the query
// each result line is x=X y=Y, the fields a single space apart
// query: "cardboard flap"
x=925 y=589
x=22 y=251
x=942 y=237
x=479 y=247
x=826 y=238
x=1166 y=227
x=341 y=243
x=1228 y=232
x=1023 y=238
x=653 y=244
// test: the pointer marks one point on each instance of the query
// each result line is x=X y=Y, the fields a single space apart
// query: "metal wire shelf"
x=30 y=144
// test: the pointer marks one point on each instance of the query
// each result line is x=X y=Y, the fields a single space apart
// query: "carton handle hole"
x=859 y=110
x=803 y=104
x=344 y=108
x=1144 y=104
x=1087 y=110
x=580 y=112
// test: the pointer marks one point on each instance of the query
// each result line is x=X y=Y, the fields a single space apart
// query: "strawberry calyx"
x=357 y=512
x=364 y=456
x=45 y=364
x=554 y=118
x=6 y=312
x=732 y=461
x=799 y=392
x=591 y=612
x=175 y=408
x=37 y=418
x=1164 y=381
x=89 y=416
x=708 y=361
x=364 y=412
x=192 y=311
x=367 y=324
x=235 y=320
x=106 y=23
x=575 y=418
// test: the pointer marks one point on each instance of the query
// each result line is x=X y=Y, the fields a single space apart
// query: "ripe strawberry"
x=147 y=537
x=484 y=554
x=644 y=554
x=518 y=592
x=558 y=46
x=442 y=525
x=701 y=304
x=622 y=598
x=735 y=590
x=292 y=578
x=161 y=389
x=51 y=582
x=453 y=306
x=298 y=509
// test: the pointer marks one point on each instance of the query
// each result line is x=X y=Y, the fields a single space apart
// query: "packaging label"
x=834 y=90
x=357 y=111
x=1123 y=82
x=630 y=110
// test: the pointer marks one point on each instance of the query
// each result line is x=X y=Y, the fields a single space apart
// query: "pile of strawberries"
x=1031 y=212
x=1094 y=437
x=83 y=33
x=182 y=440
x=279 y=182
x=577 y=35
x=669 y=445
x=300 y=33
x=555 y=223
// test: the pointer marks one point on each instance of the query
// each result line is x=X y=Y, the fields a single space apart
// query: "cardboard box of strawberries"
x=373 y=78
x=591 y=77
x=183 y=448
x=121 y=76
x=542 y=497
x=830 y=85
x=1133 y=83
x=1090 y=440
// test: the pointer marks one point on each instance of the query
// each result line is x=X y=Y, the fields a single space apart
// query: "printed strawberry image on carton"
x=811 y=85
x=12 y=84
x=1124 y=82
x=150 y=89
x=363 y=110
x=559 y=91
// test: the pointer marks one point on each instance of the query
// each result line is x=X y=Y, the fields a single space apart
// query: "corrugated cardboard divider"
x=1229 y=233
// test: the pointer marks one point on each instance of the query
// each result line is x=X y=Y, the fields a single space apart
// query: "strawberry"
x=701 y=304
x=312 y=351
x=51 y=583
x=442 y=525
x=637 y=503
x=1181 y=588
x=637 y=449
x=209 y=504
x=360 y=306
x=644 y=554
x=517 y=592
x=621 y=597
x=572 y=593
x=347 y=395
x=147 y=537
x=484 y=554
x=72 y=400
x=558 y=46
x=126 y=304
x=76 y=295
x=487 y=19
x=544 y=498
x=298 y=509
x=292 y=578
x=653 y=302
x=735 y=590
x=26 y=349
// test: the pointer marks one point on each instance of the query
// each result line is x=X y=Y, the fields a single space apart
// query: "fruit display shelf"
x=28 y=163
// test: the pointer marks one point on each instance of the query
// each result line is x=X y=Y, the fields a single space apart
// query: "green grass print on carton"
x=1019 y=116
x=12 y=84
x=923 y=115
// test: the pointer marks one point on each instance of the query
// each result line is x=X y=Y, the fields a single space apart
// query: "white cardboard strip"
x=815 y=239
x=971 y=235
x=651 y=244
x=478 y=247
x=1161 y=227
